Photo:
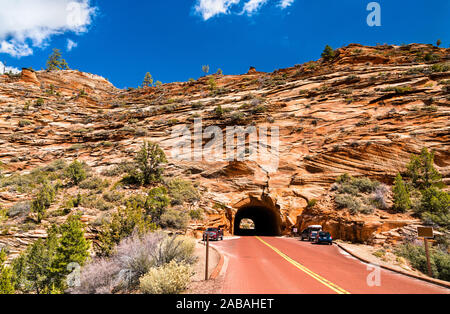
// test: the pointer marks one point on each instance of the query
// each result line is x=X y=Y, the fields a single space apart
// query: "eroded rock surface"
x=363 y=113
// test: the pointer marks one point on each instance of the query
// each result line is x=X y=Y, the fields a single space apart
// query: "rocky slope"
x=362 y=113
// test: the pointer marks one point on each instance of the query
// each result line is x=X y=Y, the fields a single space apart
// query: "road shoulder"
x=366 y=257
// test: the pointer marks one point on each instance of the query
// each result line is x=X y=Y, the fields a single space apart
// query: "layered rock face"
x=363 y=113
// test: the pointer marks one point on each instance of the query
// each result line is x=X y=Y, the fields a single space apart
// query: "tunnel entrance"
x=266 y=221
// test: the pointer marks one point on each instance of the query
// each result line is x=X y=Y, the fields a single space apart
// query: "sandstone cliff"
x=362 y=113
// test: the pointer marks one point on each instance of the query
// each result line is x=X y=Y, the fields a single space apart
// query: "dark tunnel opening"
x=267 y=222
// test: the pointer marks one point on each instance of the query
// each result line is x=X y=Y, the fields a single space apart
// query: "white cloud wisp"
x=25 y=24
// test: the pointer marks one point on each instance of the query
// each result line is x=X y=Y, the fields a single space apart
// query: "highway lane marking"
x=309 y=272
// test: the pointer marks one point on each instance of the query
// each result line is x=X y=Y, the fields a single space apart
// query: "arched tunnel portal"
x=265 y=216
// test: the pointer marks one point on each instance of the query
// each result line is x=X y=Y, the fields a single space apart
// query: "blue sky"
x=172 y=39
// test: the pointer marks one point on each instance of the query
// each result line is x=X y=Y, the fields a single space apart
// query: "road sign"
x=425 y=232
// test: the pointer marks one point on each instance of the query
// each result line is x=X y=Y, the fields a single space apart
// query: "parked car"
x=311 y=232
x=324 y=237
x=215 y=234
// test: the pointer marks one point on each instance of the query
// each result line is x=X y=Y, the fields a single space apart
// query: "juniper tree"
x=402 y=202
x=56 y=62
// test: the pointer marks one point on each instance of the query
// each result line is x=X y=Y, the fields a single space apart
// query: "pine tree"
x=6 y=276
x=43 y=200
x=205 y=69
x=6 y=280
x=55 y=61
x=149 y=160
x=156 y=203
x=328 y=53
x=421 y=171
x=402 y=202
x=148 y=80
x=72 y=248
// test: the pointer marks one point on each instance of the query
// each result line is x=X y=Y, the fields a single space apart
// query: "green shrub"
x=440 y=261
x=149 y=160
x=123 y=224
x=182 y=191
x=156 y=203
x=402 y=202
x=39 y=102
x=19 y=209
x=435 y=206
x=421 y=171
x=172 y=278
x=219 y=112
x=24 y=123
x=94 y=183
x=196 y=214
x=328 y=53
x=43 y=200
x=311 y=203
x=175 y=248
x=76 y=172
x=348 y=201
x=113 y=196
x=175 y=219
x=440 y=67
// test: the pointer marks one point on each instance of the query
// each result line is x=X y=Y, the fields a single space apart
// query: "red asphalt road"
x=255 y=268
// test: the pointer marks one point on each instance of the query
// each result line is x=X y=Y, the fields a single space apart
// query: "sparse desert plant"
x=172 y=278
x=440 y=261
x=98 y=277
x=94 y=183
x=19 y=209
x=43 y=200
x=182 y=191
x=174 y=219
x=175 y=248
x=75 y=172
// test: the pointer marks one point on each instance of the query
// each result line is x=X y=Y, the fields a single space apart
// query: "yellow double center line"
x=319 y=278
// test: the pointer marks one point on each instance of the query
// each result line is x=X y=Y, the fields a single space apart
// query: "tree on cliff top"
x=328 y=53
x=56 y=62
x=148 y=80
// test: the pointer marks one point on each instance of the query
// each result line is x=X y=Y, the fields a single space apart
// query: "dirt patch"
x=198 y=284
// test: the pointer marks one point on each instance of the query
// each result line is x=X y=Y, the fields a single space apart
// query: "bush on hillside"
x=172 y=278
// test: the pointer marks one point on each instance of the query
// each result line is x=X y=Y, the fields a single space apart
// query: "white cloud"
x=71 y=44
x=210 y=8
x=5 y=69
x=253 y=5
x=286 y=3
x=25 y=24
